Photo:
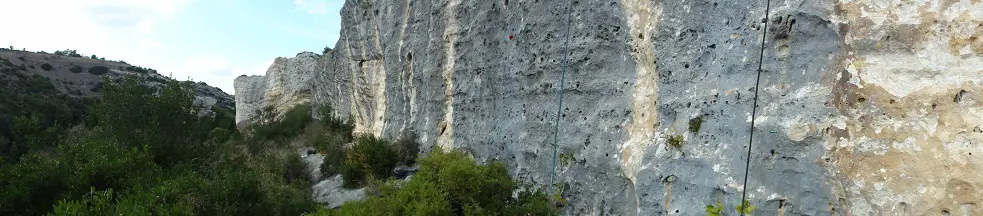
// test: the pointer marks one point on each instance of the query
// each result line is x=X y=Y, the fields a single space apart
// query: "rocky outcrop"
x=287 y=83
x=863 y=107
x=327 y=190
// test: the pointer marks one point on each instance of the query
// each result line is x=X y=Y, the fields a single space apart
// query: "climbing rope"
x=754 y=108
x=559 y=109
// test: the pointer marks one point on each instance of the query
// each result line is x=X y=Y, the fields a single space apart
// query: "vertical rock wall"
x=287 y=83
x=864 y=107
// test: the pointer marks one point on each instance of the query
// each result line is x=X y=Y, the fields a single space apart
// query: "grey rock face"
x=249 y=97
x=330 y=192
x=287 y=83
x=860 y=105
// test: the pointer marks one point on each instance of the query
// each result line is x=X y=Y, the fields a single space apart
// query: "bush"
x=46 y=67
x=296 y=169
x=219 y=135
x=293 y=123
x=98 y=70
x=369 y=158
x=145 y=152
x=32 y=186
x=138 y=69
x=407 y=149
x=335 y=125
x=330 y=145
x=173 y=137
x=76 y=69
x=451 y=184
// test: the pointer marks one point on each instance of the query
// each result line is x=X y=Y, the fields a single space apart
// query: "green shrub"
x=39 y=84
x=46 y=67
x=745 y=208
x=713 y=210
x=164 y=120
x=451 y=184
x=335 y=125
x=296 y=169
x=293 y=123
x=694 y=124
x=68 y=52
x=138 y=69
x=98 y=70
x=34 y=184
x=675 y=141
x=145 y=152
x=369 y=158
x=76 y=69
x=219 y=135
x=331 y=146
x=407 y=148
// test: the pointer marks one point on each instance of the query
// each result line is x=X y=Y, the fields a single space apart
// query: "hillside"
x=59 y=89
x=81 y=77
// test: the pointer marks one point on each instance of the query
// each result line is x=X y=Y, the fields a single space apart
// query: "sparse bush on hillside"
x=46 y=67
x=98 y=70
x=139 y=69
x=38 y=84
x=76 y=69
x=68 y=52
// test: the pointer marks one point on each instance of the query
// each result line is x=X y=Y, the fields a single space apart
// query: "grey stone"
x=860 y=96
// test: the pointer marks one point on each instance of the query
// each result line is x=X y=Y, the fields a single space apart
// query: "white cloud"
x=114 y=29
x=215 y=71
x=111 y=28
x=318 y=7
x=124 y=30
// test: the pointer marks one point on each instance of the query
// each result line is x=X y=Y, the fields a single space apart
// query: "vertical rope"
x=559 y=108
x=754 y=108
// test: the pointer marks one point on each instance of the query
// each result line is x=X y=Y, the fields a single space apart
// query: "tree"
x=98 y=70
x=68 y=52
x=165 y=120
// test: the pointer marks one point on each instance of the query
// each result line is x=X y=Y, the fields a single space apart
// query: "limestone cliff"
x=287 y=83
x=864 y=107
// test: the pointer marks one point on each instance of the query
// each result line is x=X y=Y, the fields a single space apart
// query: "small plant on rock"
x=717 y=210
x=566 y=159
x=675 y=141
x=745 y=208
x=694 y=124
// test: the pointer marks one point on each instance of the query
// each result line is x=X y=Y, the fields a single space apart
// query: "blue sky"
x=203 y=40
